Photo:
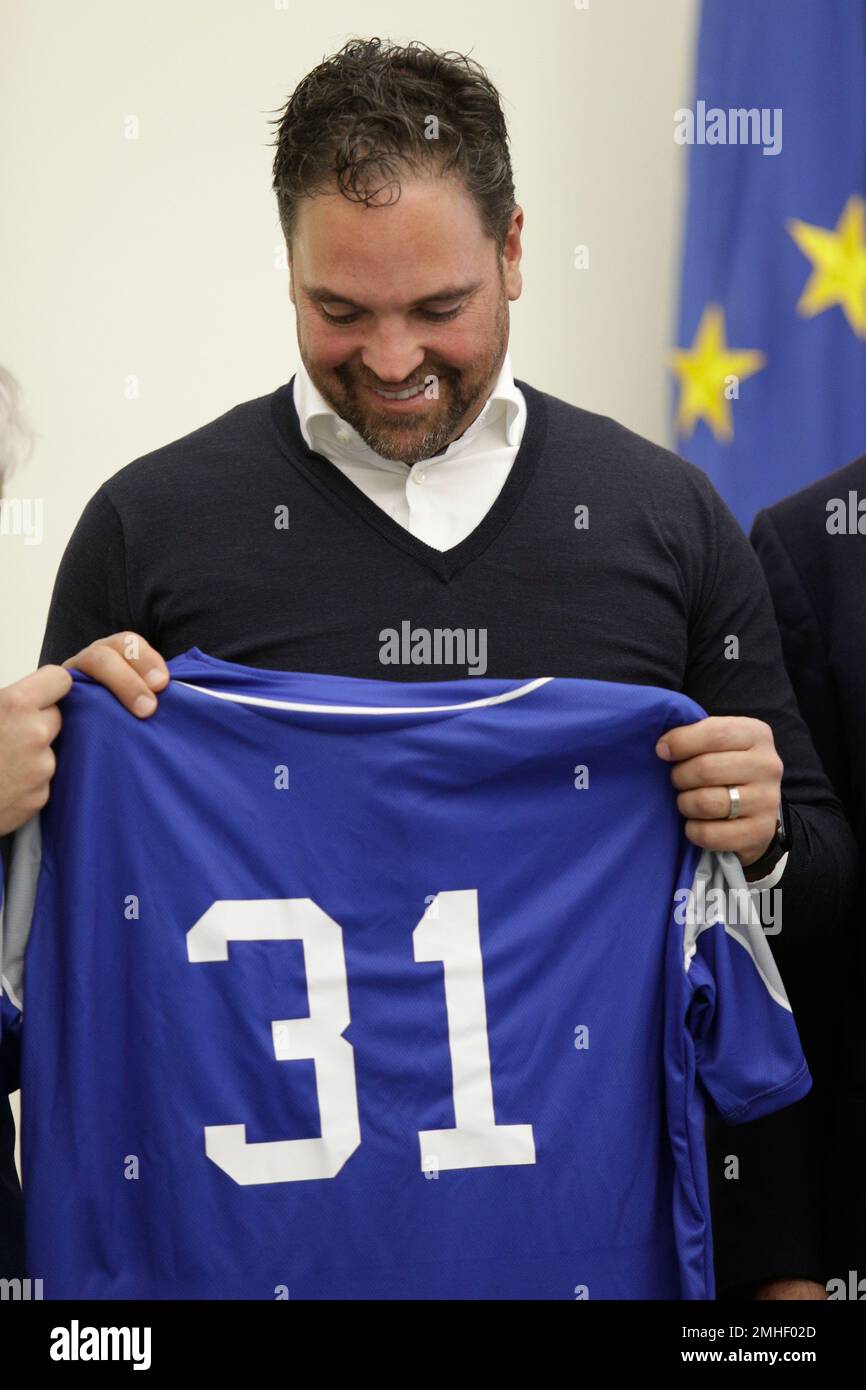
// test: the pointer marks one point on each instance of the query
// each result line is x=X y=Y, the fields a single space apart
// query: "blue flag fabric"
x=771 y=362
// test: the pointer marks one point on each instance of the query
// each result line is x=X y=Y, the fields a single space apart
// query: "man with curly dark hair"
x=364 y=122
x=405 y=478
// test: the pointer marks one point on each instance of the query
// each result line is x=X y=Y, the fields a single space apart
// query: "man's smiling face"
x=388 y=297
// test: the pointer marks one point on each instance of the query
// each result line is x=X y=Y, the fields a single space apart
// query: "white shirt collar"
x=319 y=422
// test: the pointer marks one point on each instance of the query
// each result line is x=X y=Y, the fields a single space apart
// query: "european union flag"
x=771 y=363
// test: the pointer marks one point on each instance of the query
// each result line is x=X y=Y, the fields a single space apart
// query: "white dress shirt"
x=440 y=500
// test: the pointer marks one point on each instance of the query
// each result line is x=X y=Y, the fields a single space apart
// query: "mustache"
x=348 y=380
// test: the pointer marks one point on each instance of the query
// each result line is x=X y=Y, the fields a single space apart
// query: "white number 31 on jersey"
x=448 y=932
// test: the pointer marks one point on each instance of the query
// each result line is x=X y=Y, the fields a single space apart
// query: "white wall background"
x=156 y=258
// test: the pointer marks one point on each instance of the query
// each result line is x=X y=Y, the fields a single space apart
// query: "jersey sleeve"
x=747 y=1049
x=19 y=874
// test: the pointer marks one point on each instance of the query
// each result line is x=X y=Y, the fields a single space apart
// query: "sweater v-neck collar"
x=332 y=483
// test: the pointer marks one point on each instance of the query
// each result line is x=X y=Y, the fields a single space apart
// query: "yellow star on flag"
x=839 y=261
x=707 y=371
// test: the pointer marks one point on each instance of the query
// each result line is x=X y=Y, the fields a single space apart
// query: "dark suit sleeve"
x=736 y=667
x=90 y=598
x=766 y=1187
x=829 y=1006
x=805 y=653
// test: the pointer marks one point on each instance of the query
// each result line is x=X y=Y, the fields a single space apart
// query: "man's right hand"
x=127 y=666
x=30 y=720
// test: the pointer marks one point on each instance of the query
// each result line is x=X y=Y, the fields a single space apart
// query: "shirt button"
x=418 y=477
x=342 y=435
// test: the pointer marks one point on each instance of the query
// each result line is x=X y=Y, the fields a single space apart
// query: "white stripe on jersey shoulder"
x=370 y=709
x=722 y=876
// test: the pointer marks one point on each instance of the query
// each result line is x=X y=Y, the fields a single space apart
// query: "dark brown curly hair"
x=362 y=117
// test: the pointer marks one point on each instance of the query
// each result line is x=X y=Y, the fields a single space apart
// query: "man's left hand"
x=720 y=752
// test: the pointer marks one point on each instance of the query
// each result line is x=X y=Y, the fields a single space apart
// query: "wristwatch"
x=771 y=856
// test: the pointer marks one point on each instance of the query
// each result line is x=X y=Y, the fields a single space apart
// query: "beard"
x=405 y=439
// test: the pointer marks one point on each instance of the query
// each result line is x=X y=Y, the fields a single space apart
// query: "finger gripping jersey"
x=351 y=989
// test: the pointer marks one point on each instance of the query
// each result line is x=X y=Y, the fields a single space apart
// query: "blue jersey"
x=351 y=989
